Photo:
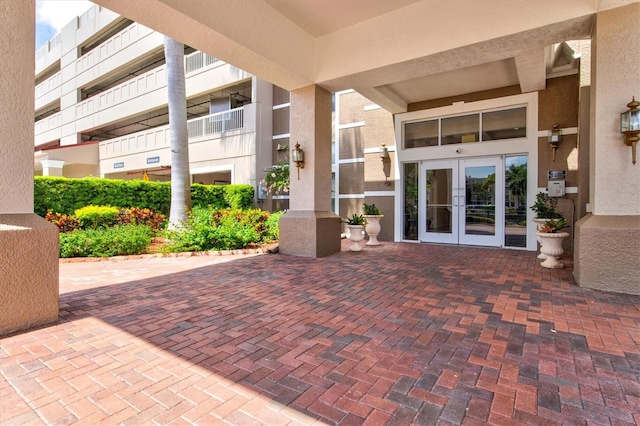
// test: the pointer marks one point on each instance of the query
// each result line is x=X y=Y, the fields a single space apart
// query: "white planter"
x=539 y=222
x=355 y=235
x=552 y=248
x=373 y=228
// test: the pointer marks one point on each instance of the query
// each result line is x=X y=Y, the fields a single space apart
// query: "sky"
x=52 y=15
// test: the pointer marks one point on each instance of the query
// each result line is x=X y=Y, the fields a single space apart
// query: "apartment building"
x=101 y=107
x=101 y=110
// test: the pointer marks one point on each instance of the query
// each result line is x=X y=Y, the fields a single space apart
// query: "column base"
x=29 y=287
x=606 y=253
x=309 y=233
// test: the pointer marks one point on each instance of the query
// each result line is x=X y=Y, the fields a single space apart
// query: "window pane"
x=515 y=227
x=507 y=124
x=422 y=133
x=410 y=201
x=460 y=129
x=439 y=201
x=480 y=201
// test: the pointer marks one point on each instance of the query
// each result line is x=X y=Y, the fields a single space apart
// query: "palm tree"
x=516 y=177
x=177 y=101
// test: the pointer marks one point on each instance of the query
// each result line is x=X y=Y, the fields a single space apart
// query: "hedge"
x=66 y=195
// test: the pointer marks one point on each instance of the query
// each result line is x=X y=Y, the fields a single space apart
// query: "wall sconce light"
x=630 y=126
x=386 y=160
x=297 y=156
x=555 y=137
x=384 y=152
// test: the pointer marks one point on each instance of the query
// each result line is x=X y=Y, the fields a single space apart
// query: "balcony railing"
x=197 y=60
x=220 y=122
x=158 y=137
x=49 y=84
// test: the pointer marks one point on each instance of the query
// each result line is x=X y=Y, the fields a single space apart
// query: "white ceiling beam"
x=249 y=34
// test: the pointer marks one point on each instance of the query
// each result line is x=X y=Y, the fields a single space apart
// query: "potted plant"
x=550 y=239
x=372 y=215
x=545 y=209
x=355 y=223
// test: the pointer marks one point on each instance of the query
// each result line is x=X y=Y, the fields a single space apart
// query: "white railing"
x=140 y=85
x=112 y=45
x=48 y=123
x=158 y=137
x=220 y=122
x=49 y=84
x=196 y=60
x=48 y=46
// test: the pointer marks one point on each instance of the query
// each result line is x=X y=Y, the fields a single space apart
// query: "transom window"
x=478 y=127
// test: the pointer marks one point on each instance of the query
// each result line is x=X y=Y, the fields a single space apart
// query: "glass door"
x=460 y=202
x=481 y=204
x=438 y=216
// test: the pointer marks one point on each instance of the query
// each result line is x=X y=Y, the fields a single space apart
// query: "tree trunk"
x=177 y=102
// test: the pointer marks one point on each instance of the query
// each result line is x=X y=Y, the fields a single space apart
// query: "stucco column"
x=28 y=243
x=309 y=228
x=607 y=242
x=52 y=167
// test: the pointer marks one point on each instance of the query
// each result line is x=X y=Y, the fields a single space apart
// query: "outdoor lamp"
x=297 y=156
x=384 y=152
x=555 y=136
x=630 y=126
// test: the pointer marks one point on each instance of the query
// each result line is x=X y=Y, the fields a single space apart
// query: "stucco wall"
x=606 y=253
x=28 y=272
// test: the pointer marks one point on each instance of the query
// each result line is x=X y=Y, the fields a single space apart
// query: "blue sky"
x=52 y=15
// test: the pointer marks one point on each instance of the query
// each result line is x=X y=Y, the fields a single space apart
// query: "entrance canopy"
x=394 y=52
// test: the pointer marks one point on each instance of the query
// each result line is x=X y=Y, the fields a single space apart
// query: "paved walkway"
x=397 y=334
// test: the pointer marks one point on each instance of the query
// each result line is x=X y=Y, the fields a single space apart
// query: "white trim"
x=280 y=197
x=566 y=131
x=280 y=106
x=379 y=193
x=351 y=125
x=281 y=136
x=377 y=150
x=567 y=190
x=351 y=161
x=350 y=196
x=344 y=92
x=523 y=146
x=372 y=107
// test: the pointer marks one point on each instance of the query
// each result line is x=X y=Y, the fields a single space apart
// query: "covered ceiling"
x=395 y=52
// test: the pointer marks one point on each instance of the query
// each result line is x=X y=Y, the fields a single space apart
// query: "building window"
x=421 y=133
x=506 y=124
x=410 y=201
x=480 y=127
x=461 y=129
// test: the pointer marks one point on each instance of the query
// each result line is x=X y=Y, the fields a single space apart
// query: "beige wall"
x=28 y=243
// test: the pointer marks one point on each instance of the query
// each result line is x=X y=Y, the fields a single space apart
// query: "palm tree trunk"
x=177 y=102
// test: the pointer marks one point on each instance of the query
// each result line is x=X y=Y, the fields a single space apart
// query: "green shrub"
x=115 y=241
x=65 y=195
x=209 y=229
x=95 y=217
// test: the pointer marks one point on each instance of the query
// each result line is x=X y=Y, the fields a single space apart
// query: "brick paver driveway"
x=397 y=334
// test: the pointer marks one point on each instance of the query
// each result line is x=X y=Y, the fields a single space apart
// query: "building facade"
x=101 y=107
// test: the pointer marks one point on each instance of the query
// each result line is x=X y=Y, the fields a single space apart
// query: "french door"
x=462 y=201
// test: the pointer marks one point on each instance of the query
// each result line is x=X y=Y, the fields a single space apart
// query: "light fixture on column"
x=384 y=156
x=297 y=156
x=384 y=152
x=555 y=136
x=630 y=126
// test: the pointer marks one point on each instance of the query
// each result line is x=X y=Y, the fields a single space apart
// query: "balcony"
x=49 y=90
x=213 y=126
